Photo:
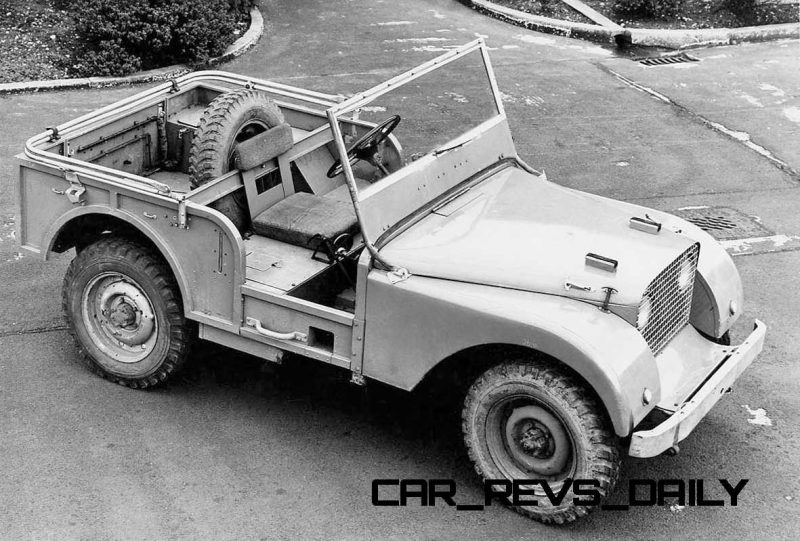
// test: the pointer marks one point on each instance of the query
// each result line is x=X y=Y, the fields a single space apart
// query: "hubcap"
x=119 y=317
x=526 y=440
x=536 y=441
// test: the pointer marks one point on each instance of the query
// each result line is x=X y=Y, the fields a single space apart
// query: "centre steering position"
x=366 y=148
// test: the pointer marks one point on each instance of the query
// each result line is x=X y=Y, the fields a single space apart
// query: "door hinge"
x=183 y=222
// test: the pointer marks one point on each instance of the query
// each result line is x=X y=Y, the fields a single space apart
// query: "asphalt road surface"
x=235 y=449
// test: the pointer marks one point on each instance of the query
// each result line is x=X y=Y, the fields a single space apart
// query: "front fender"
x=718 y=287
x=413 y=325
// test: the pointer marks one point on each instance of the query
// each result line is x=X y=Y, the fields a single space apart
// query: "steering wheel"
x=366 y=148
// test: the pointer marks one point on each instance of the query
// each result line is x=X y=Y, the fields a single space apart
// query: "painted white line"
x=759 y=416
x=415 y=40
x=431 y=49
x=774 y=90
x=742 y=137
x=752 y=100
x=746 y=246
x=394 y=23
x=641 y=88
x=550 y=42
x=792 y=113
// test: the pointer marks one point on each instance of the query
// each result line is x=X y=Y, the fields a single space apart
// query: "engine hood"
x=519 y=231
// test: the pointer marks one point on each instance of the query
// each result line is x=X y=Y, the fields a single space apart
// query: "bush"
x=656 y=9
x=753 y=12
x=242 y=6
x=123 y=37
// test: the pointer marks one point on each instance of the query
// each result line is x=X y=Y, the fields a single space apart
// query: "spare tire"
x=229 y=119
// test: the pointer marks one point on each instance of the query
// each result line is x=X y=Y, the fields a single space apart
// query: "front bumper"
x=652 y=442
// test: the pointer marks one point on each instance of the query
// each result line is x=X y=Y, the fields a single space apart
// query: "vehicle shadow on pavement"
x=430 y=414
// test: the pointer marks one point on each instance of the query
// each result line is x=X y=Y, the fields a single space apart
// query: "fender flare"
x=433 y=320
x=718 y=283
x=55 y=229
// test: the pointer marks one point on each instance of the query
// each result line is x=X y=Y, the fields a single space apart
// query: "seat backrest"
x=261 y=150
x=263 y=147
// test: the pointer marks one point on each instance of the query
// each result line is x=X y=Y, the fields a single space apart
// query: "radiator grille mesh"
x=668 y=299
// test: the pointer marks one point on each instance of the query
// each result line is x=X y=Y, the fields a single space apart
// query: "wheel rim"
x=119 y=317
x=527 y=440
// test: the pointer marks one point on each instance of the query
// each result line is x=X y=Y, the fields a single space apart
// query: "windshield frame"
x=361 y=99
x=354 y=103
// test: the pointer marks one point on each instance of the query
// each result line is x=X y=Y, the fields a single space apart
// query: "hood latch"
x=646 y=224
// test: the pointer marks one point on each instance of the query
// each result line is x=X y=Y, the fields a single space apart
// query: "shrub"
x=242 y=6
x=656 y=9
x=123 y=37
x=753 y=12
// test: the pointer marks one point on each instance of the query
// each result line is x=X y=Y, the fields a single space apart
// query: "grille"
x=724 y=223
x=669 y=305
x=665 y=60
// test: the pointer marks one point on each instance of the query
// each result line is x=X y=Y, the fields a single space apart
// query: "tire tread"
x=603 y=454
x=157 y=271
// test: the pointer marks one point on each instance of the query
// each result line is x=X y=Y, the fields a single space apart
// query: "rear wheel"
x=527 y=420
x=124 y=311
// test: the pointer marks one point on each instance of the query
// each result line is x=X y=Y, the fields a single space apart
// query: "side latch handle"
x=75 y=190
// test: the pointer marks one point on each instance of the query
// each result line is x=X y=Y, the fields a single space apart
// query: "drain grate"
x=713 y=223
x=667 y=60
x=724 y=223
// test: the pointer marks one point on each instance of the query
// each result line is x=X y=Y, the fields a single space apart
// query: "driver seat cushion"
x=301 y=216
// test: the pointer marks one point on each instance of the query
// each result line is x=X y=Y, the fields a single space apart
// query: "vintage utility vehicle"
x=272 y=219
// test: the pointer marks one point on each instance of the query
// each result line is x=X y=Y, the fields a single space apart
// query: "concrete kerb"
x=538 y=23
x=237 y=48
x=687 y=39
x=668 y=39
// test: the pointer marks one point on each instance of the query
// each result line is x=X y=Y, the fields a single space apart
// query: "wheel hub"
x=119 y=317
x=536 y=441
x=123 y=315
x=532 y=440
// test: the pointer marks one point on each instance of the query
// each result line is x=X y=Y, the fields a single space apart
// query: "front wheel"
x=125 y=313
x=527 y=420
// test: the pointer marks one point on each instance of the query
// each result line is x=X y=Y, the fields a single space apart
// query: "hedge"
x=119 y=38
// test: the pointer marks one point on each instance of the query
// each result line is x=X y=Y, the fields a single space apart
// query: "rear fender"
x=209 y=279
x=53 y=234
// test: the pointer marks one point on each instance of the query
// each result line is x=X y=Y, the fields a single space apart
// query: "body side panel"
x=206 y=258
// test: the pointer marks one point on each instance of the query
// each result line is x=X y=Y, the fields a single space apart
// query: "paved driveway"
x=237 y=450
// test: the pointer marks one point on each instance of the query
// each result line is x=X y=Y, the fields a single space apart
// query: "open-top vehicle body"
x=395 y=234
